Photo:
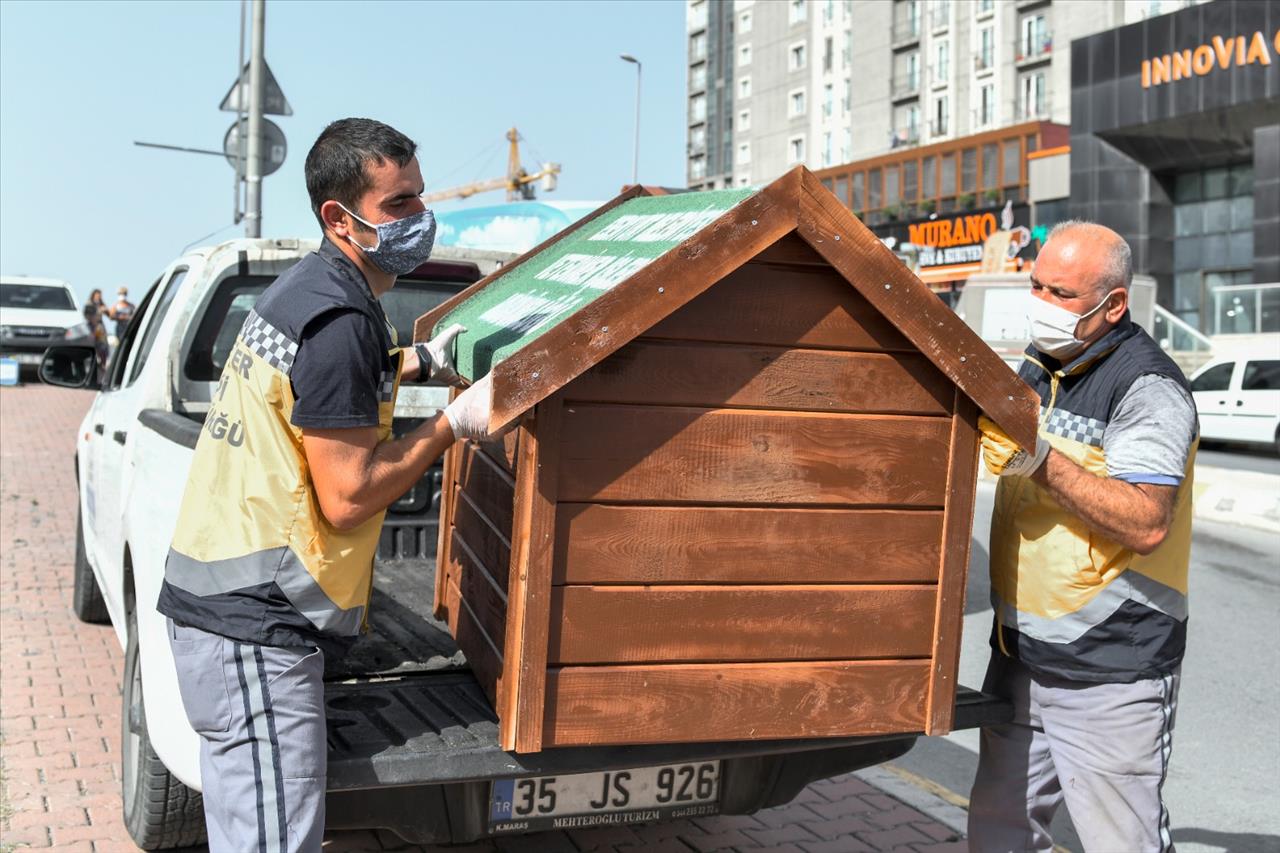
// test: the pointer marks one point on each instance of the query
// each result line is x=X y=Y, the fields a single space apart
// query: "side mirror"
x=70 y=367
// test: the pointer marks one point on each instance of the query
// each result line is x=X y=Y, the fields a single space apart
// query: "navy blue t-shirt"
x=338 y=371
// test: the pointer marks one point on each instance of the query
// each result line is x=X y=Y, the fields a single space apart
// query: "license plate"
x=605 y=798
x=26 y=357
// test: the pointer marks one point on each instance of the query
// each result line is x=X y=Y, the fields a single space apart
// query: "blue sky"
x=79 y=82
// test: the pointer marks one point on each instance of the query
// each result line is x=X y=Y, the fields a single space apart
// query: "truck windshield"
x=236 y=297
x=35 y=296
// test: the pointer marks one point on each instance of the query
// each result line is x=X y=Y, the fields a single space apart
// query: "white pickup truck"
x=412 y=738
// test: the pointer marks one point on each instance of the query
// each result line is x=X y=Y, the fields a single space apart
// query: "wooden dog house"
x=738 y=501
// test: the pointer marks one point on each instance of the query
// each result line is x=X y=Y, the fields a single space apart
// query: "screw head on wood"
x=604 y=328
x=964 y=358
x=535 y=374
x=837 y=238
x=662 y=290
x=753 y=222
x=888 y=287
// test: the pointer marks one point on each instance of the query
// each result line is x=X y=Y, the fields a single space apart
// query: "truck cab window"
x=115 y=368
x=165 y=299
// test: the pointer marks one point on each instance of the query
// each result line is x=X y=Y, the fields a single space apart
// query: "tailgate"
x=439 y=727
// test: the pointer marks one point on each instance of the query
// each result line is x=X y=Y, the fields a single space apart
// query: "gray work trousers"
x=259 y=712
x=1103 y=748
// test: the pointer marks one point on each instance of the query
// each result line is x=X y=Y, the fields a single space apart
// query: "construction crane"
x=518 y=183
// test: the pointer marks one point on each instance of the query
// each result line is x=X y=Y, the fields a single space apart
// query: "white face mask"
x=1053 y=328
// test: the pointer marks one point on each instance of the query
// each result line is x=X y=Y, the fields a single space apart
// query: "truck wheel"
x=86 y=597
x=159 y=811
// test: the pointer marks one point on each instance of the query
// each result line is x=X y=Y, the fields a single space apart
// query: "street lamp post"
x=635 y=160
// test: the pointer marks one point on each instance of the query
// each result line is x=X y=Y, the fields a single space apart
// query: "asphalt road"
x=1222 y=786
x=1265 y=461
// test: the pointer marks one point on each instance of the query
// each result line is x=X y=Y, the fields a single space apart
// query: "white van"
x=1238 y=399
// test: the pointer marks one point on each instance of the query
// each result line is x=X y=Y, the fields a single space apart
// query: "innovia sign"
x=1219 y=53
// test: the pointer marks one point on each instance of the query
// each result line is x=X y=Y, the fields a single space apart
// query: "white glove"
x=469 y=412
x=435 y=357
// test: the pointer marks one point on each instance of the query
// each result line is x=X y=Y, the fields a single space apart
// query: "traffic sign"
x=273 y=147
x=273 y=100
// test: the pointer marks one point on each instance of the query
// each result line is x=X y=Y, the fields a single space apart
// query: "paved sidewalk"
x=60 y=700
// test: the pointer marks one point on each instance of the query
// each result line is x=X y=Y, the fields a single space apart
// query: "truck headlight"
x=79 y=330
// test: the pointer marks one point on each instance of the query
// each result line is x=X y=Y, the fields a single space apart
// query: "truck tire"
x=86 y=597
x=160 y=812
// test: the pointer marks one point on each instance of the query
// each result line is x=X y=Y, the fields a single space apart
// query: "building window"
x=856 y=187
x=829 y=11
x=948 y=176
x=744 y=22
x=941 y=116
x=990 y=165
x=698 y=137
x=892 y=192
x=744 y=120
x=697 y=19
x=906 y=20
x=968 y=170
x=906 y=73
x=698 y=47
x=828 y=53
x=929 y=177
x=798 y=11
x=795 y=150
x=984 y=8
x=796 y=57
x=698 y=76
x=846 y=98
x=828 y=100
x=1032 y=100
x=873 y=189
x=906 y=125
x=846 y=145
x=942 y=62
x=698 y=108
x=986 y=49
x=744 y=87
x=1035 y=37
x=846 y=52
x=986 y=105
x=697 y=168
x=1011 y=163
x=796 y=103
x=744 y=153
x=826 y=149
x=744 y=55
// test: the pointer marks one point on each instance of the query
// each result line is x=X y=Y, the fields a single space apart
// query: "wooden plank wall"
x=749 y=521
x=474 y=556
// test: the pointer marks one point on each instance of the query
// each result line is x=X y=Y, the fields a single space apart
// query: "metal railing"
x=906 y=88
x=1176 y=335
x=1033 y=49
x=1246 y=309
x=905 y=31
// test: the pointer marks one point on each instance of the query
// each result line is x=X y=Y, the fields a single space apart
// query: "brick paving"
x=60 y=701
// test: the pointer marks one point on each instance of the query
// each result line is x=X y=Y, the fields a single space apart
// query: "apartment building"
x=826 y=82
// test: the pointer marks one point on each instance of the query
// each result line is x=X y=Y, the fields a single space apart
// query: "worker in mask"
x=271 y=564
x=1090 y=543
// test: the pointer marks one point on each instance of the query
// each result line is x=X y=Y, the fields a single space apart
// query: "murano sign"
x=1199 y=61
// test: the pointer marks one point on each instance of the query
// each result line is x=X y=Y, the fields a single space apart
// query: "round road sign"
x=272 y=147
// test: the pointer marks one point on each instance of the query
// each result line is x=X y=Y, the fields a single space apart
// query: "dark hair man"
x=1090 y=544
x=271 y=565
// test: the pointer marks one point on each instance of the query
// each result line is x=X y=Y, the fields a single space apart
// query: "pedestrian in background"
x=95 y=316
x=122 y=313
x=1090 y=545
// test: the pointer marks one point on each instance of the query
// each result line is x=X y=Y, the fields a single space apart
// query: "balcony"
x=939 y=128
x=1030 y=4
x=903 y=137
x=906 y=33
x=940 y=19
x=906 y=89
x=983 y=65
x=1034 y=109
x=1034 y=51
x=939 y=76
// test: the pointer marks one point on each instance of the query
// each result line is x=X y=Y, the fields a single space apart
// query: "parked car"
x=1238 y=399
x=36 y=313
